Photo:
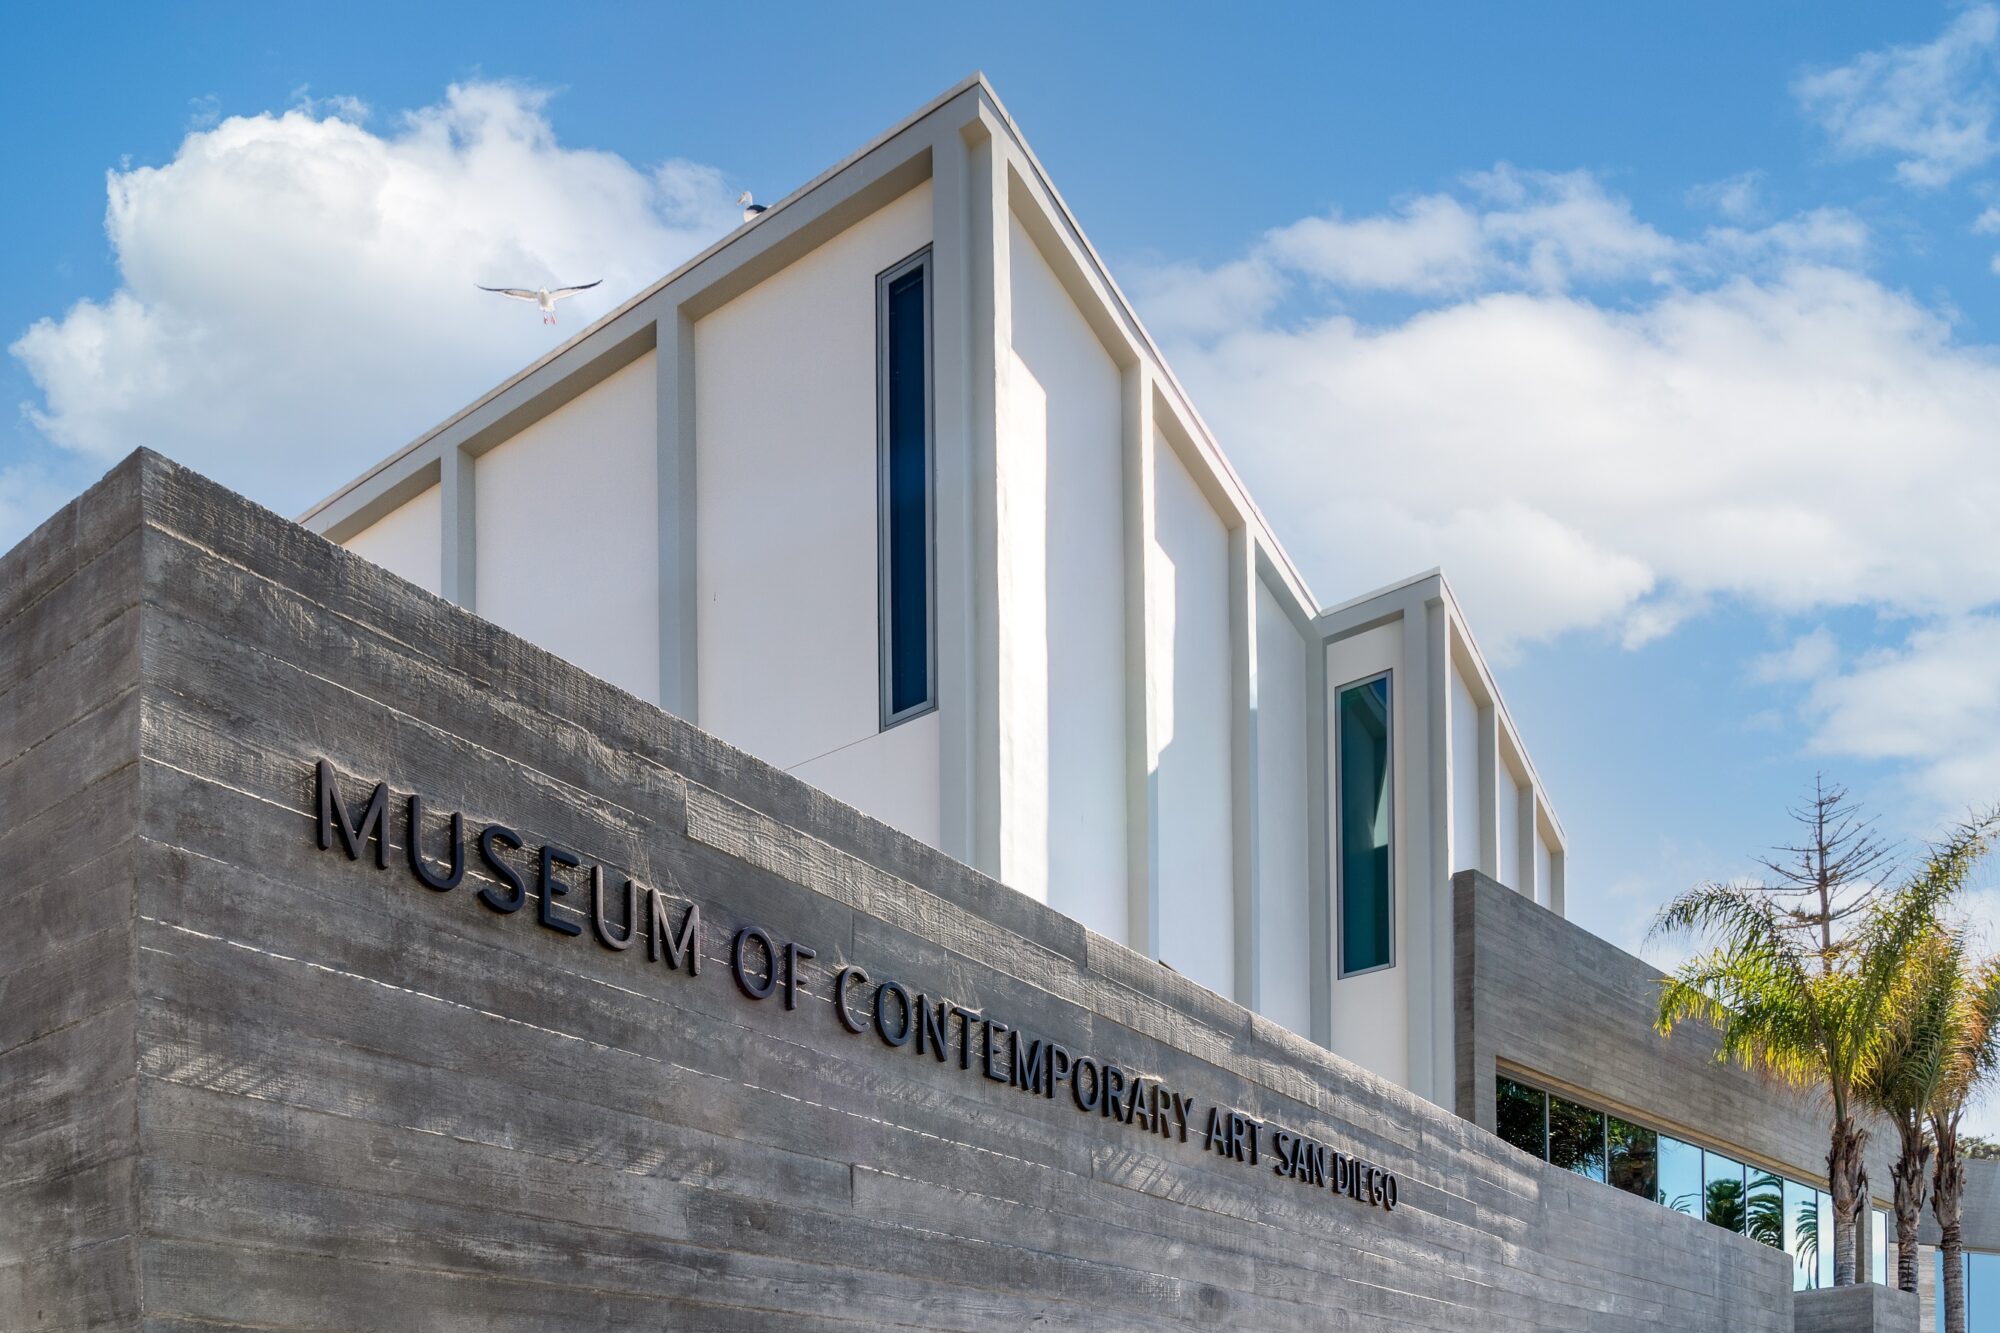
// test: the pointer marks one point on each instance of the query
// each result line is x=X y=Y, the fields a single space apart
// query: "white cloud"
x=1738 y=198
x=297 y=292
x=1929 y=106
x=28 y=495
x=1806 y=658
x=1931 y=704
x=1799 y=439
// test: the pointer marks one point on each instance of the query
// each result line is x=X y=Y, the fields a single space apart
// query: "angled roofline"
x=977 y=81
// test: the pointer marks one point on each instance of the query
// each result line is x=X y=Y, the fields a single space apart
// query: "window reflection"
x=1878 y=1246
x=1680 y=1176
x=1519 y=1116
x=1826 y=1238
x=1764 y=1209
x=1635 y=1158
x=1802 y=1233
x=1722 y=1191
x=1576 y=1138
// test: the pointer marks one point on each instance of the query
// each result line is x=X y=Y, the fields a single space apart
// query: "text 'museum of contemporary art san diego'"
x=822 y=804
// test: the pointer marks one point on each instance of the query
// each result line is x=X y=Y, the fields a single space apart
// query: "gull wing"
x=557 y=293
x=518 y=293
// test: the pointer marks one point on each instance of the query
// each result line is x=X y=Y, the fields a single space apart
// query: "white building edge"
x=1100 y=679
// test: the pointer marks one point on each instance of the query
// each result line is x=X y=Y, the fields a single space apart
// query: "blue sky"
x=1672 y=332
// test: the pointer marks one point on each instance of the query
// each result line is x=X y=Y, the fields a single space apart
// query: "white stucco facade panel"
x=1370 y=1011
x=1284 y=901
x=1062 y=625
x=1189 y=660
x=1543 y=894
x=1510 y=828
x=568 y=551
x=874 y=777
x=1464 y=722
x=787 y=602
x=406 y=541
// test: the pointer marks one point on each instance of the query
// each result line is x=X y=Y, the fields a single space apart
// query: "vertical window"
x=1520 y=1117
x=903 y=412
x=1680 y=1176
x=1362 y=728
x=1723 y=1178
x=1635 y=1158
x=1764 y=1209
x=1576 y=1138
x=1825 y=1234
x=1878 y=1247
x=1802 y=1233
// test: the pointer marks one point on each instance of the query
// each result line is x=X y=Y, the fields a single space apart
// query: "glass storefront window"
x=1680 y=1176
x=1576 y=1138
x=1764 y=1209
x=1635 y=1159
x=1826 y=1239
x=1802 y=1233
x=1520 y=1117
x=1722 y=1190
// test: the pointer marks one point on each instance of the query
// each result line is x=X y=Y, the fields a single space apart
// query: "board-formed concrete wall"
x=1575 y=1013
x=364 y=1102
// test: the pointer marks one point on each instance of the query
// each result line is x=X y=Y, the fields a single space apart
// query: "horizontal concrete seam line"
x=597 y=1045
x=476 y=877
x=53 y=657
x=96 y=1013
x=119 y=1239
x=100 y=706
x=431 y=728
x=93 y=1161
x=110 y=544
x=696 y=1244
x=371 y=629
x=17 y=891
x=467 y=1276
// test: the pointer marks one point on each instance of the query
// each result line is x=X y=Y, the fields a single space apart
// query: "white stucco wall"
x=1509 y=869
x=785 y=504
x=1188 y=633
x=1541 y=870
x=1464 y=775
x=406 y=540
x=1371 y=1011
x=1062 y=605
x=568 y=543
x=1284 y=903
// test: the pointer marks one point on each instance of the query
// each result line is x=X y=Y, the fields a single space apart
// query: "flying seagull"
x=544 y=297
x=750 y=210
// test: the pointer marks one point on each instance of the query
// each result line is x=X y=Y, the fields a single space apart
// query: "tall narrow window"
x=1362 y=723
x=903 y=411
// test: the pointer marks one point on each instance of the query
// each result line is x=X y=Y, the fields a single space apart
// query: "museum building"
x=823 y=803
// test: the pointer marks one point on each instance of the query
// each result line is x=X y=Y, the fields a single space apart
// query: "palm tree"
x=1969 y=1059
x=1811 y=1016
x=1909 y=1073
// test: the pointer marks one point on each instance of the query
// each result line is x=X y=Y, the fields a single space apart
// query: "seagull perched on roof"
x=544 y=297
x=750 y=210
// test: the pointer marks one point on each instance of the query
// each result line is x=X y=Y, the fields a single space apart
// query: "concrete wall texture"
x=1575 y=1014
x=252 y=1081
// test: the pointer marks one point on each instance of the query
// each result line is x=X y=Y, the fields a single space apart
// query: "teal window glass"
x=1634 y=1158
x=1680 y=1176
x=1764 y=1208
x=1364 y=804
x=1802 y=1233
x=1521 y=1116
x=1722 y=1191
x=905 y=492
x=1576 y=1138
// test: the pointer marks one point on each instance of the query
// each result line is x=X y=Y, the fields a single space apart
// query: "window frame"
x=889 y=714
x=1342 y=971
